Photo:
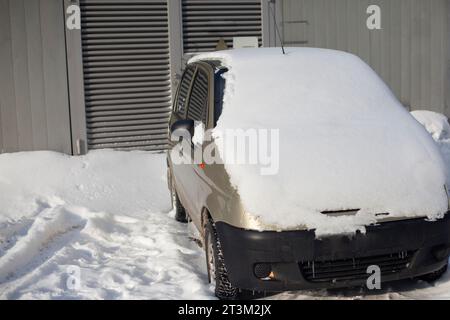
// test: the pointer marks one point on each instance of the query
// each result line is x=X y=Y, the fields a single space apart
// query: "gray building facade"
x=110 y=84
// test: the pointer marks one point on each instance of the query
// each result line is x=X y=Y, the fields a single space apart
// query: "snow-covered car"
x=358 y=183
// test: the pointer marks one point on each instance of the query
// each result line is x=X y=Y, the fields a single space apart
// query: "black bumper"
x=403 y=249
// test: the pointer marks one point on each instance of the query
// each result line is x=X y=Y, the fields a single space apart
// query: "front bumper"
x=403 y=249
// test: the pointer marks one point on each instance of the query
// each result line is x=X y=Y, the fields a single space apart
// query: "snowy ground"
x=106 y=213
x=100 y=227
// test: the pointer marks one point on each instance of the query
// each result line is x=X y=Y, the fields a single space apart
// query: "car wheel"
x=431 y=277
x=180 y=212
x=217 y=272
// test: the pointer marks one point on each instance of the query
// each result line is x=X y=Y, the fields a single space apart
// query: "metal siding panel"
x=416 y=29
x=318 y=24
x=286 y=7
x=21 y=77
x=1 y=132
x=55 y=75
x=375 y=39
x=76 y=86
x=410 y=53
x=292 y=33
x=175 y=42
x=33 y=102
x=435 y=56
x=331 y=21
x=278 y=17
x=395 y=48
x=406 y=56
x=341 y=27
x=35 y=73
x=425 y=53
x=352 y=26
x=302 y=8
x=205 y=22
x=446 y=48
x=267 y=28
x=364 y=34
x=385 y=44
x=289 y=37
x=7 y=93
x=308 y=16
x=126 y=74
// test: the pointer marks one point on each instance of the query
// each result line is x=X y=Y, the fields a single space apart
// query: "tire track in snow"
x=120 y=257
x=49 y=225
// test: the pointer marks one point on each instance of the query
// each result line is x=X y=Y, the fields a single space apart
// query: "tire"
x=431 y=277
x=180 y=212
x=215 y=263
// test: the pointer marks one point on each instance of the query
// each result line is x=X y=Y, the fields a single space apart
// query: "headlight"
x=253 y=222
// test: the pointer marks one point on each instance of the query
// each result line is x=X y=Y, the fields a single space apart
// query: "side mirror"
x=180 y=128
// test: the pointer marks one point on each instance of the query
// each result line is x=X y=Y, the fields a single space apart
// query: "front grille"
x=355 y=268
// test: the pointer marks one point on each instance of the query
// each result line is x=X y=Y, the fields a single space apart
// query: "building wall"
x=34 y=107
x=411 y=52
x=42 y=90
x=123 y=63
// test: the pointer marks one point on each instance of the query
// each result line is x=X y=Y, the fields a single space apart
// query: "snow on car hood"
x=346 y=142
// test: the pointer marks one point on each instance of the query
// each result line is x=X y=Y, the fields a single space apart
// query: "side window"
x=219 y=88
x=198 y=100
x=180 y=106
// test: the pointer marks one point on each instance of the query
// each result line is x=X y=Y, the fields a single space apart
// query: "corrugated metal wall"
x=38 y=111
x=205 y=22
x=198 y=25
x=125 y=49
x=448 y=60
x=34 y=108
x=410 y=52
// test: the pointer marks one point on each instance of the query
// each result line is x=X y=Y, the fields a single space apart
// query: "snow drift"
x=346 y=142
x=102 y=217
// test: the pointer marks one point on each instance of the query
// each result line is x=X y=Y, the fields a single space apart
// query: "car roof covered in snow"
x=267 y=53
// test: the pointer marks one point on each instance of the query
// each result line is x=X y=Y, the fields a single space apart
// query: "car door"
x=197 y=110
x=181 y=171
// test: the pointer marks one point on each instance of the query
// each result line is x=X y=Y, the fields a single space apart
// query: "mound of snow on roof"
x=345 y=141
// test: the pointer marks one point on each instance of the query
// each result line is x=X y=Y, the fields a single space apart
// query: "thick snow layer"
x=117 y=230
x=438 y=126
x=345 y=141
x=107 y=214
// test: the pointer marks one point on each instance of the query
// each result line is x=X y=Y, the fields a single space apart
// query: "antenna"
x=276 y=25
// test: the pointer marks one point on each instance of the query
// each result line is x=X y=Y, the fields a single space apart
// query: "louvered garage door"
x=126 y=73
x=206 y=21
